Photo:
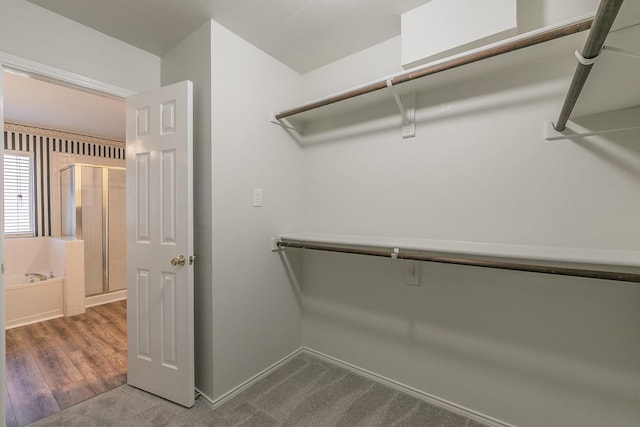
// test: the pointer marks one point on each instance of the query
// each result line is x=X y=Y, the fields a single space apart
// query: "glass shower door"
x=116 y=225
x=92 y=229
x=93 y=209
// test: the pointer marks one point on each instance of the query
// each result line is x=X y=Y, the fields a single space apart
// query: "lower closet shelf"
x=536 y=259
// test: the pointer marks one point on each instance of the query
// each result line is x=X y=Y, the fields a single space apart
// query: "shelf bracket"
x=621 y=51
x=281 y=122
x=274 y=244
x=285 y=124
x=407 y=105
x=627 y=119
x=574 y=130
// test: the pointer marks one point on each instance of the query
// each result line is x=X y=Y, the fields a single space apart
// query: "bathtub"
x=30 y=302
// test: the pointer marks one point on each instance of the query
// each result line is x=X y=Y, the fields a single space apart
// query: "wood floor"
x=55 y=364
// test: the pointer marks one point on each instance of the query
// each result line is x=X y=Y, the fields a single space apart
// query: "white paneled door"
x=160 y=242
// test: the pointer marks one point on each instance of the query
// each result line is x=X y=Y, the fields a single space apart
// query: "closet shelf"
x=613 y=82
x=537 y=259
x=602 y=24
x=534 y=45
x=609 y=54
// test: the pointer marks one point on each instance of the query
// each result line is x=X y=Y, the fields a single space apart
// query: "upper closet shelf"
x=613 y=84
x=534 y=45
x=614 y=80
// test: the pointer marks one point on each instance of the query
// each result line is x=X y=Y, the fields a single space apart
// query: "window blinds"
x=18 y=195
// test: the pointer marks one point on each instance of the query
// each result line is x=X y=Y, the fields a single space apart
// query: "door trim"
x=56 y=75
x=3 y=343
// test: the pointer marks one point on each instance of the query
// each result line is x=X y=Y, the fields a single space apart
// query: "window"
x=18 y=194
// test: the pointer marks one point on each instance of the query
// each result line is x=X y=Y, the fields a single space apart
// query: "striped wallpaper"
x=43 y=143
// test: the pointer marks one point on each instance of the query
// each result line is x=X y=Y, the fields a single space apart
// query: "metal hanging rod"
x=605 y=15
x=396 y=253
x=414 y=74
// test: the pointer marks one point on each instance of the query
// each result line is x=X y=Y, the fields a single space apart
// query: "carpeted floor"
x=305 y=392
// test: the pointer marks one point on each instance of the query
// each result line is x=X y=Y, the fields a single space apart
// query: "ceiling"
x=303 y=34
x=42 y=104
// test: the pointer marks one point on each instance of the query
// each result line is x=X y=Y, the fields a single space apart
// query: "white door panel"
x=159 y=231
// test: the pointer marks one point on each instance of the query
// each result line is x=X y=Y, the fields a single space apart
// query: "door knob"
x=178 y=261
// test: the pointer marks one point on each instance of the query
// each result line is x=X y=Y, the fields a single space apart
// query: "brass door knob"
x=178 y=261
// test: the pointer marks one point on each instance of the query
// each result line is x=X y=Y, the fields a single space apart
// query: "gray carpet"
x=305 y=392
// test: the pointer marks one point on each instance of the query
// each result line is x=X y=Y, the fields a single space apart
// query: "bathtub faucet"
x=36 y=275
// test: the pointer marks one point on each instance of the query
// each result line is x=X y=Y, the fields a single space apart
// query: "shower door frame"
x=76 y=178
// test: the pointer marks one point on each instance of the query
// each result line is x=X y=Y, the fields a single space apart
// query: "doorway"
x=65 y=360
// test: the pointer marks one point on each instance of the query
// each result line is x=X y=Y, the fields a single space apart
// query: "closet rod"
x=520 y=43
x=563 y=271
x=605 y=15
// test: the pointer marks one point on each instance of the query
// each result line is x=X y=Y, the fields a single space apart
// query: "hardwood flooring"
x=58 y=363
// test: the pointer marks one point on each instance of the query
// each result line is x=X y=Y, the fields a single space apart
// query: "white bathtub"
x=30 y=302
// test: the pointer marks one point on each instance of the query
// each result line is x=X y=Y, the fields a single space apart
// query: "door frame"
x=65 y=78
x=62 y=77
x=3 y=344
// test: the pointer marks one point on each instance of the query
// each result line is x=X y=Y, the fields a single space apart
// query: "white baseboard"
x=105 y=298
x=40 y=317
x=214 y=403
x=434 y=400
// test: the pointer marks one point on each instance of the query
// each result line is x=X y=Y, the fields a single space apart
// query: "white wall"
x=534 y=14
x=362 y=67
x=256 y=312
x=36 y=34
x=247 y=313
x=191 y=60
x=26 y=255
x=524 y=348
x=480 y=152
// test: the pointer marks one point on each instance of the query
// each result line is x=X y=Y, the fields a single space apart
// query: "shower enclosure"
x=93 y=210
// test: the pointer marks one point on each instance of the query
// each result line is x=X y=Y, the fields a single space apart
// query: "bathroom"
x=70 y=253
